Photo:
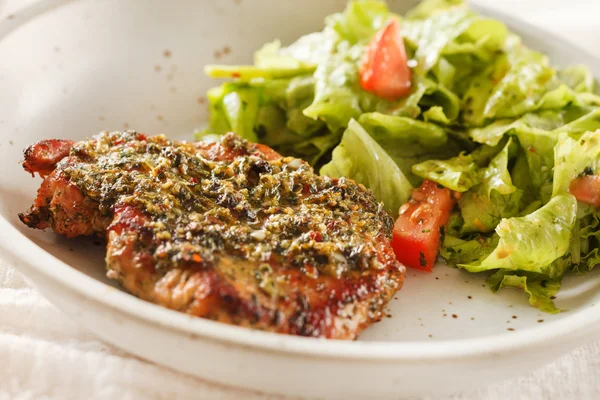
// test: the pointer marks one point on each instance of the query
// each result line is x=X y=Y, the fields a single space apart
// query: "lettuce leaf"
x=453 y=30
x=312 y=149
x=402 y=131
x=360 y=21
x=270 y=112
x=438 y=96
x=589 y=121
x=533 y=242
x=522 y=76
x=540 y=288
x=521 y=87
x=458 y=173
x=337 y=91
x=408 y=141
x=247 y=72
x=425 y=94
x=484 y=206
x=299 y=95
x=311 y=49
x=538 y=146
x=234 y=108
x=444 y=73
x=578 y=77
x=459 y=251
x=274 y=62
x=359 y=157
x=427 y=8
x=587 y=243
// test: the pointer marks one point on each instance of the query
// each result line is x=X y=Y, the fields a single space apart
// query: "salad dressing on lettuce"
x=514 y=138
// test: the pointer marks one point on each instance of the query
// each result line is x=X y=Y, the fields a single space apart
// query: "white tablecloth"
x=44 y=355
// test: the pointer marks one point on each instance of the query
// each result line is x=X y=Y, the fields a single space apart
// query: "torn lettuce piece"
x=550 y=120
x=483 y=154
x=403 y=131
x=586 y=248
x=360 y=21
x=408 y=141
x=359 y=157
x=438 y=96
x=427 y=8
x=436 y=114
x=457 y=251
x=578 y=77
x=239 y=108
x=589 y=121
x=311 y=149
x=458 y=173
x=409 y=106
x=234 y=106
x=270 y=128
x=218 y=121
x=337 y=91
x=482 y=40
x=533 y=242
x=521 y=87
x=482 y=213
x=485 y=205
x=510 y=87
x=521 y=179
x=477 y=90
x=538 y=287
x=270 y=57
x=248 y=72
x=453 y=30
x=538 y=146
x=425 y=93
x=275 y=62
x=311 y=49
x=557 y=98
x=493 y=133
x=299 y=95
x=444 y=73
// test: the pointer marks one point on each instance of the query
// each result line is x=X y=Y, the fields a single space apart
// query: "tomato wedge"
x=586 y=189
x=384 y=70
x=419 y=228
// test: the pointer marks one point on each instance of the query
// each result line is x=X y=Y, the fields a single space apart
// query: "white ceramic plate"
x=72 y=68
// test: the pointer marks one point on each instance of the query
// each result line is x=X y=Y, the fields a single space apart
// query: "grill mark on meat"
x=227 y=231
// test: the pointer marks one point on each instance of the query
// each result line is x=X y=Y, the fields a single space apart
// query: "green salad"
x=483 y=116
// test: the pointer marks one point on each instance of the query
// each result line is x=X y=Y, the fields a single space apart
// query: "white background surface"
x=45 y=355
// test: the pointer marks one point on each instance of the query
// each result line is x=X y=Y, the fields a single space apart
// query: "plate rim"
x=25 y=253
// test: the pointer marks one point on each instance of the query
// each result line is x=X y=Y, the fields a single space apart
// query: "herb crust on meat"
x=229 y=231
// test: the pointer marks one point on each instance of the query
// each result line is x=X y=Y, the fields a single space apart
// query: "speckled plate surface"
x=72 y=68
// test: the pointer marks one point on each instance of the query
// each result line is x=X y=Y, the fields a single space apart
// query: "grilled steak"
x=229 y=231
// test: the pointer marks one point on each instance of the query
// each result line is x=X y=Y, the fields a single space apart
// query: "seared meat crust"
x=229 y=231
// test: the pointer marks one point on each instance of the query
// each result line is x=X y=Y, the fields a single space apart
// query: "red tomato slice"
x=418 y=230
x=586 y=189
x=384 y=70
